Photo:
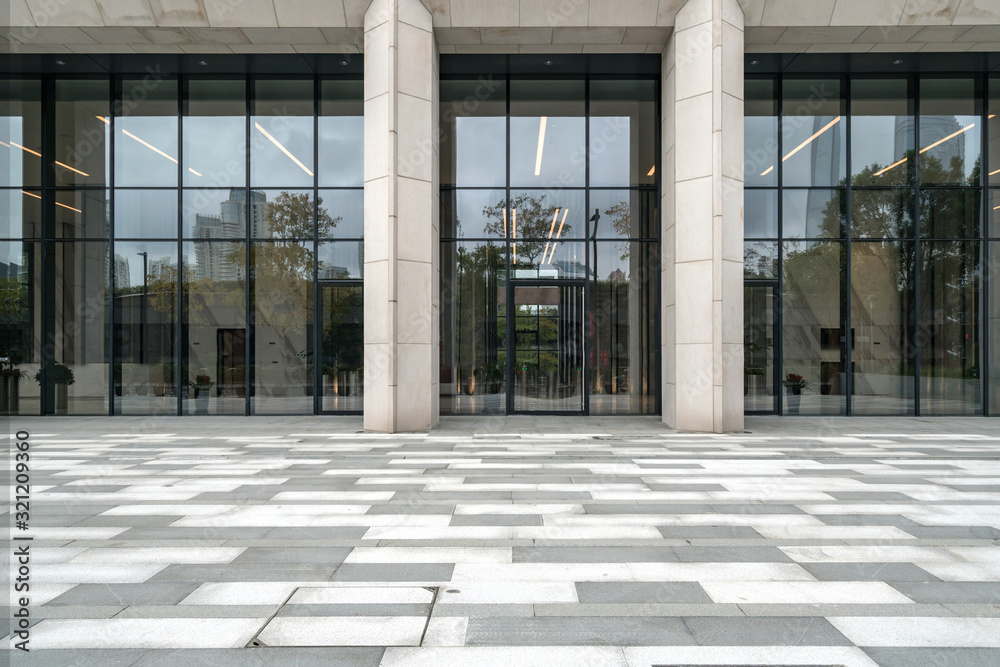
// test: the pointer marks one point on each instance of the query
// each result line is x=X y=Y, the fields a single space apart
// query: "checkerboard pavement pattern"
x=514 y=541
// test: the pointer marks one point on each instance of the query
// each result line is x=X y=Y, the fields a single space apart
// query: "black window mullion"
x=779 y=355
x=848 y=315
x=248 y=336
x=179 y=325
x=917 y=337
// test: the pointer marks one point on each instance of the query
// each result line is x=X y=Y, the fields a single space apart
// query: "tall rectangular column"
x=402 y=274
x=702 y=232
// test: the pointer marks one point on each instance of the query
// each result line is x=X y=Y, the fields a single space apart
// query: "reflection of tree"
x=343 y=337
x=760 y=260
x=621 y=222
x=14 y=315
x=534 y=222
x=478 y=327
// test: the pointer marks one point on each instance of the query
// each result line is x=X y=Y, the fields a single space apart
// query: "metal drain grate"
x=349 y=616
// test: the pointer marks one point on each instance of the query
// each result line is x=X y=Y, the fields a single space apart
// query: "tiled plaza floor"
x=513 y=541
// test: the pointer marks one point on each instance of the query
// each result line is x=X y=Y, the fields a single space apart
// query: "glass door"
x=758 y=348
x=342 y=346
x=546 y=328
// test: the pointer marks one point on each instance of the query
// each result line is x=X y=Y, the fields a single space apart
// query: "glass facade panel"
x=621 y=214
x=82 y=117
x=145 y=214
x=281 y=293
x=950 y=131
x=20 y=133
x=285 y=214
x=21 y=212
x=145 y=328
x=473 y=214
x=546 y=214
x=760 y=133
x=214 y=329
x=949 y=328
x=760 y=216
x=342 y=213
x=623 y=124
x=214 y=214
x=77 y=380
x=759 y=312
x=993 y=214
x=814 y=341
x=341 y=134
x=883 y=304
x=993 y=327
x=548 y=137
x=146 y=134
x=473 y=373
x=473 y=152
x=949 y=214
x=881 y=132
x=877 y=214
x=341 y=260
x=20 y=327
x=813 y=133
x=760 y=260
x=281 y=133
x=215 y=133
x=814 y=214
x=342 y=311
x=993 y=130
x=81 y=214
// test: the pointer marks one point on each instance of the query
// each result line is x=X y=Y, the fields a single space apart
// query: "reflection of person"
x=596 y=218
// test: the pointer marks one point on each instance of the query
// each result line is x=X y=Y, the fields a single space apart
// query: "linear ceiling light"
x=193 y=171
x=652 y=171
x=505 y=222
x=561 y=224
x=891 y=166
x=31 y=194
x=513 y=229
x=103 y=120
x=541 y=144
x=149 y=146
x=69 y=207
x=994 y=173
x=26 y=150
x=812 y=138
x=950 y=136
x=5 y=144
x=282 y=148
x=558 y=234
x=768 y=170
x=66 y=166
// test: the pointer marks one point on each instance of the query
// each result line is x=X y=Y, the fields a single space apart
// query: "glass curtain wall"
x=162 y=258
x=863 y=201
x=547 y=185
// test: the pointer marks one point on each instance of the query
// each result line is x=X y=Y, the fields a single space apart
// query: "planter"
x=62 y=398
x=794 y=400
x=10 y=395
x=201 y=395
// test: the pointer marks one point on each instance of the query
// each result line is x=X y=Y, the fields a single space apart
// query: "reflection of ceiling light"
x=26 y=150
x=754 y=62
x=5 y=144
x=950 y=136
x=561 y=224
x=31 y=194
x=66 y=166
x=541 y=144
x=652 y=170
x=992 y=115
x=149 y=146
x=60 y=62
x=994 y=173
x=891 y=166
x=548 y=63
x=812 y=138
x=552 y=229
x=193 y=171
x=768 y=170
x=282 y=148
x=513 y=228
x=505 y=222
x=69 y=207
x=103 y=120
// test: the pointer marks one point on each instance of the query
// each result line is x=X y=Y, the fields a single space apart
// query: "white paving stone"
x=362 y=595
x=522 y=656
x=133 y=555
x=920 y=632
x=446 y=631
x=506 y=592
x=95 y=573
x=429 y=555
x=115 y=633
x=727 y=656
x=240 y=593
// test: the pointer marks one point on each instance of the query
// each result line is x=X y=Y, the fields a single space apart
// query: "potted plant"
x=794 y=383
x=62 y=376
x=10 y=380
x=202 y=385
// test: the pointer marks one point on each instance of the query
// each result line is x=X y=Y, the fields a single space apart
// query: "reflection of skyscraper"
x=932 y=130
x=215 y=261
x=161 y=268
x=826 y=150
x=122 y=278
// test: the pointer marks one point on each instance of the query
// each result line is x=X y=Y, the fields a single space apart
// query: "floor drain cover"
x=350 y=616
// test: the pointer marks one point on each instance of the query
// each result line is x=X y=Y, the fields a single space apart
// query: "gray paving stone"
x=764 y=631
x=686 y=487
x=978 y=592
x=749 y=508
x=594 y=555
x=394 y=572
x=865 y=520
x=709 y=532
x=934 y=657
x=259 y=657
x=727 y=554
x=650 y=508
x=887 y=572
x=873 y=479
x=410 y=508
x=88 y=658
x=825 y=472
x=316 y=533
x=976 y=488
x=640 y=592
x=953 y=532
x=285 y=554
x=199 y=611
x=206 y=573
x=124 y=595
x=637 y=609
x=192 y=533
x=496 y=520
x=578 y=631
x=869 y=495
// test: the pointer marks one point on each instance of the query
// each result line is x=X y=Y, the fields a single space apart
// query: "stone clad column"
x=702 y=232
x=401 y=218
